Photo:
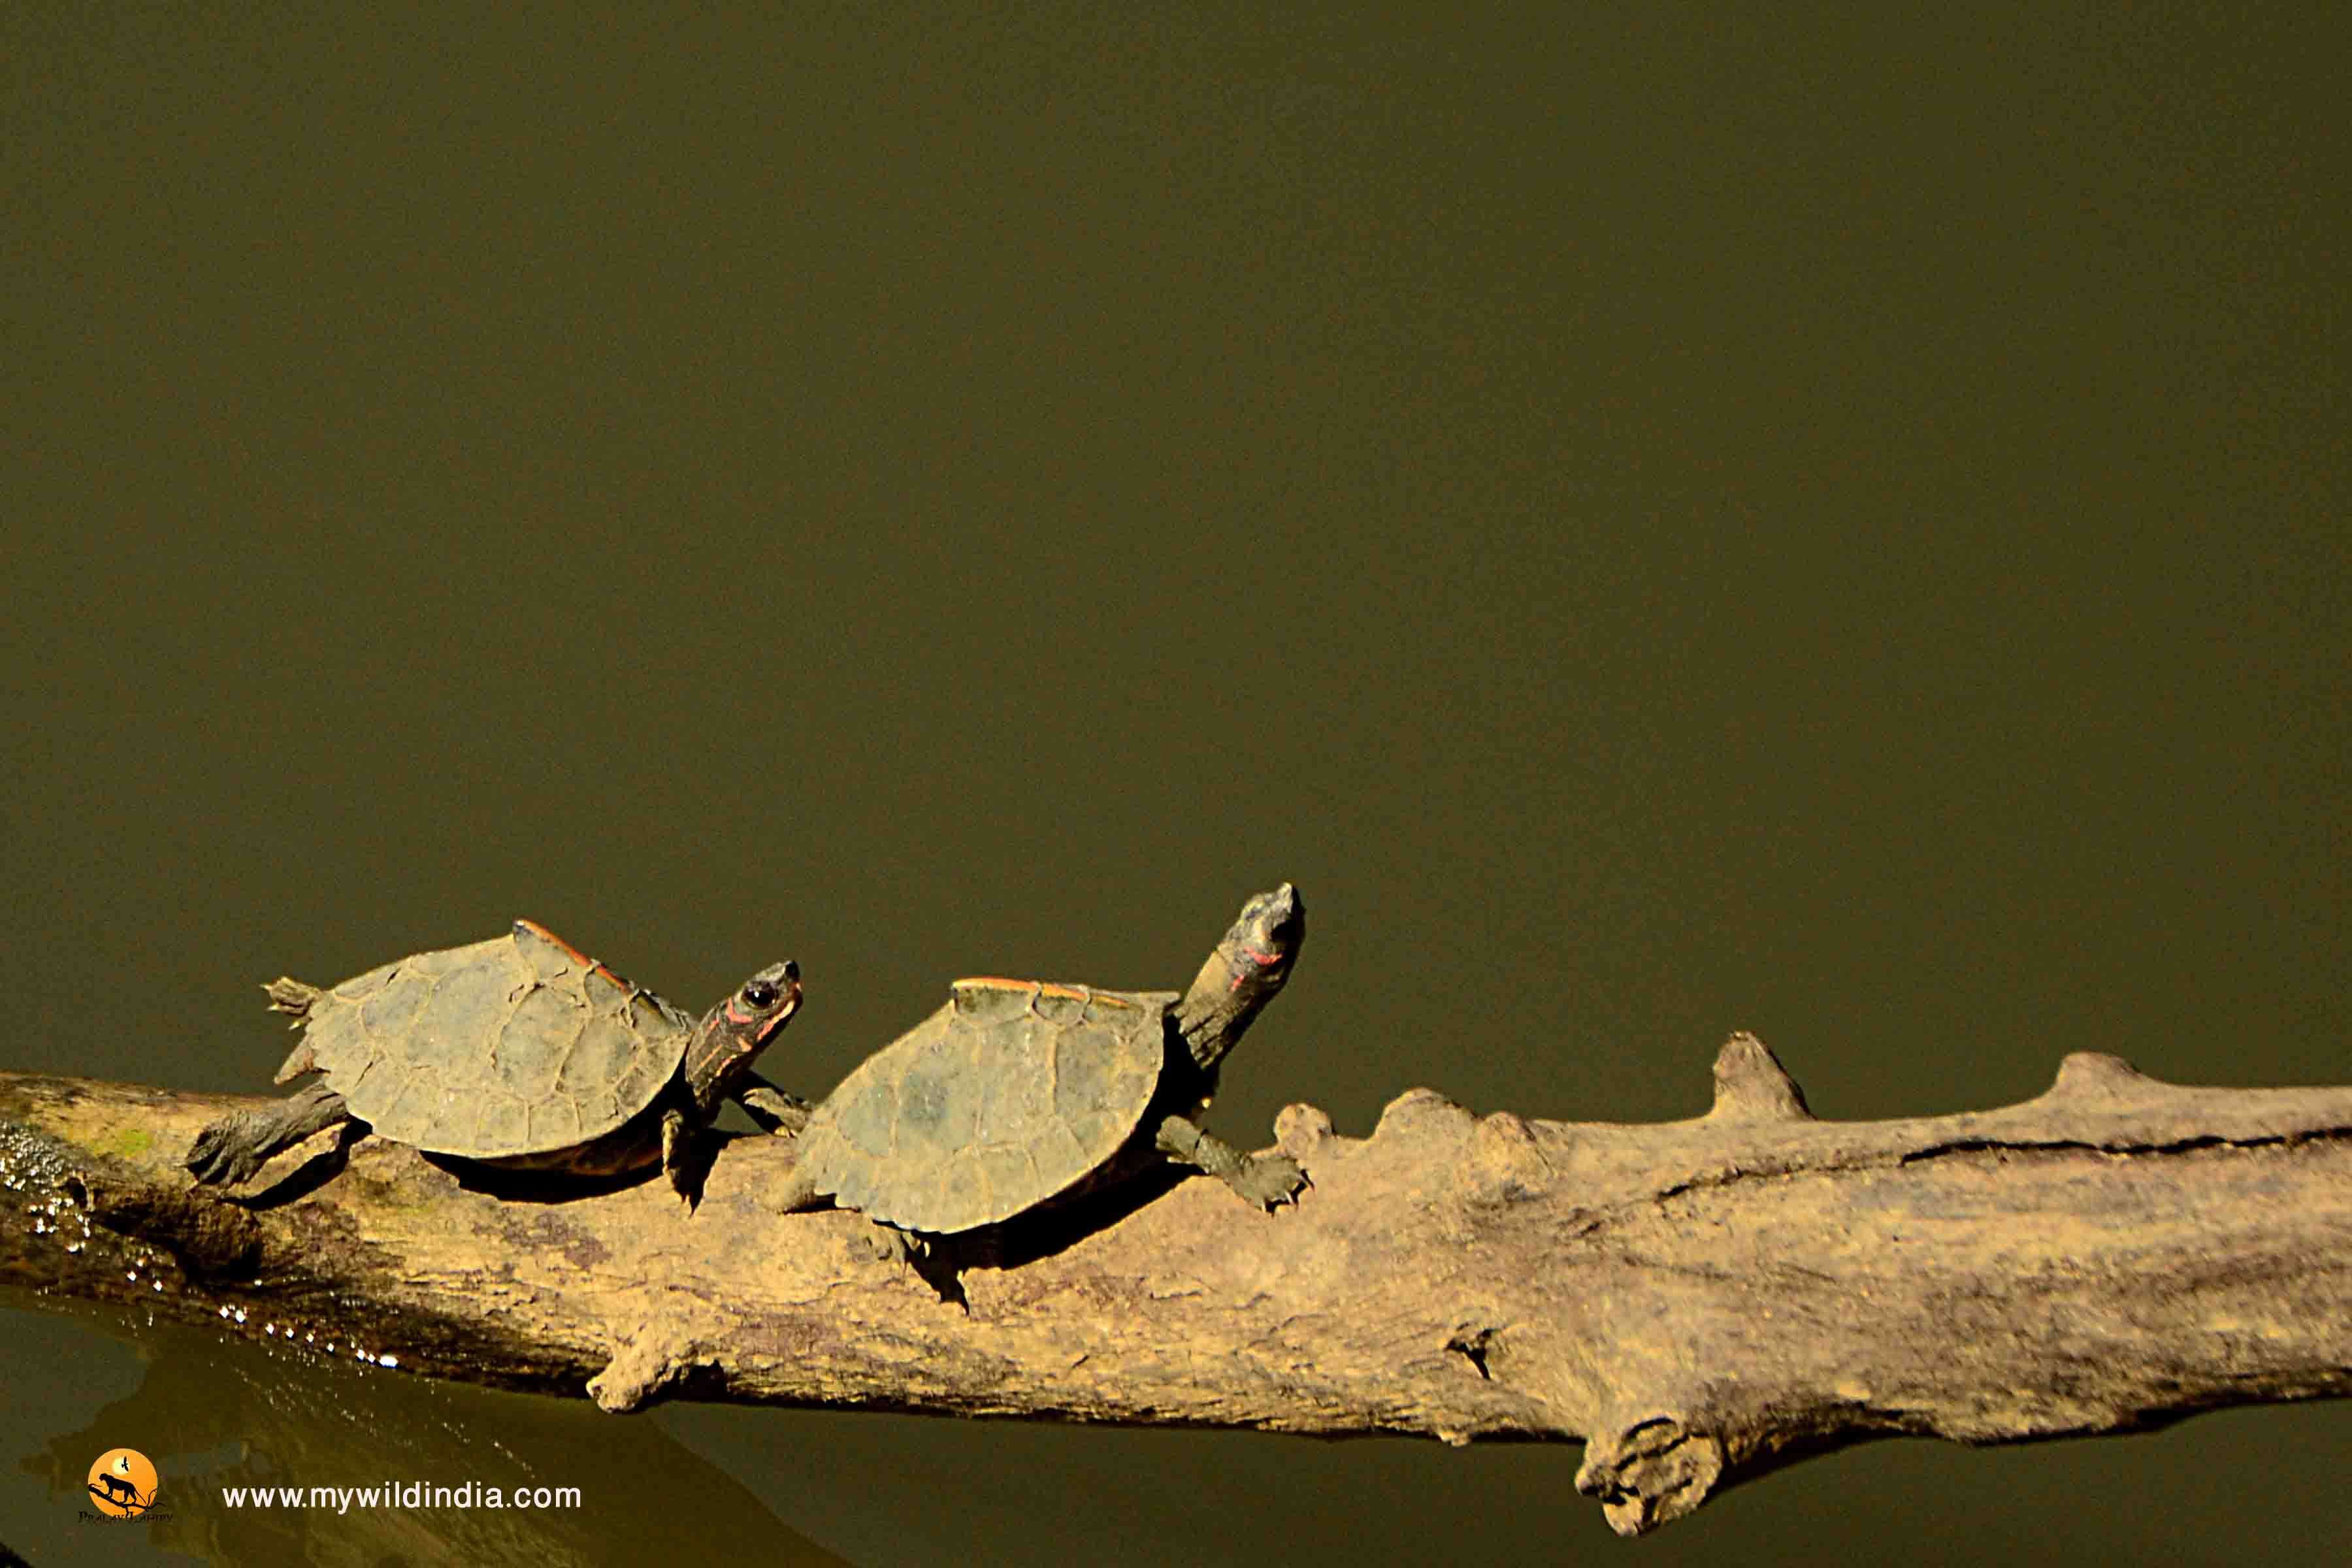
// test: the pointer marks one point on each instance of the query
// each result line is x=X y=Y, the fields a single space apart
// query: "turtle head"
x=732 y=1035
x=1248 y=967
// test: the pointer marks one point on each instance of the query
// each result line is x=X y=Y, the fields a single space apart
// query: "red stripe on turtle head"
x=765 y=1028
x=779 y=1011
x=1262 y=965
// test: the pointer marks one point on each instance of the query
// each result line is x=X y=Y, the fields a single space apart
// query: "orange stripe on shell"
x=1043 y=988
x=593 y=966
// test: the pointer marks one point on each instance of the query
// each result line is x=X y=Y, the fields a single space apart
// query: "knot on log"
x=1421 y=1114
x=1649 y=1473
x=1750 y=1084
x=1302 y=1132
x=2097 y=1076
x=212 y=1239
x=1506 y=1164
x=653 y=1359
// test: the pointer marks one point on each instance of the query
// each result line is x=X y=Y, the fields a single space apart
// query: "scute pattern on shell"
x=514 y=1046
x=1009 y=1094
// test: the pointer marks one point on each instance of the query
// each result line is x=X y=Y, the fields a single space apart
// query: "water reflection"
x=215 y=1416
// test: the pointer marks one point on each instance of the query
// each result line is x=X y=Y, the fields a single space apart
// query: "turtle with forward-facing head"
x=1020 y=1094
x=521 y=1053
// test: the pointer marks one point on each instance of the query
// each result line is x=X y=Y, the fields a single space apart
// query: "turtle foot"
x=936 y=1261
x=1268 y=1180
x=240 y=1143
x=230 y=1151
x=686 y=1180
x=888 y=1246
x=784 y=1115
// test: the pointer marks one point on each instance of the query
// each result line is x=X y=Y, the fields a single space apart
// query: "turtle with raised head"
x=1024 y=1093
x=520 y=1052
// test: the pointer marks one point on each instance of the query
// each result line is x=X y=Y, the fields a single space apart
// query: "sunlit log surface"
x=1696 y=1301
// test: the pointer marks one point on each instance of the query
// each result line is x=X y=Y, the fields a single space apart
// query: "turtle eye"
x=760 y=994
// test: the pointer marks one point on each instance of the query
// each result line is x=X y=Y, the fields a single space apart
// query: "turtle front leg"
x=776 y=1112
x=682 y=1155
x=1265 y=1180
x=238 y=1145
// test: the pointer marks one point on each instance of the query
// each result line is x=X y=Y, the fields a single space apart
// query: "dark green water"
x=1660 y=524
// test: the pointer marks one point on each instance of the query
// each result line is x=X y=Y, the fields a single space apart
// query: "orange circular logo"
x=123 y=1482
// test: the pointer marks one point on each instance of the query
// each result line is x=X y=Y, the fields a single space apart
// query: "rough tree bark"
x=1696 y=1301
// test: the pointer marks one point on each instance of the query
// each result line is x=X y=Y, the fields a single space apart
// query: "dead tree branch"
x=1695 y=1300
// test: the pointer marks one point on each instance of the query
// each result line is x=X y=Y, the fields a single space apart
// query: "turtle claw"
x=686 y=1181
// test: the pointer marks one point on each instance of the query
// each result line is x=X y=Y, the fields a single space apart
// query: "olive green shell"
x=1011 y=1093
x=515 y=1046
